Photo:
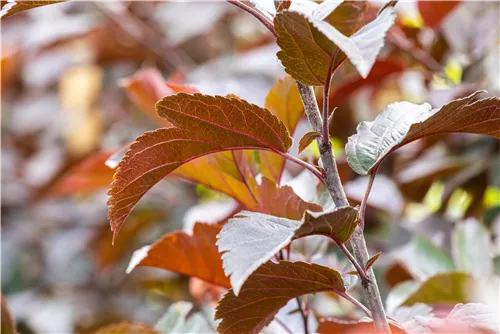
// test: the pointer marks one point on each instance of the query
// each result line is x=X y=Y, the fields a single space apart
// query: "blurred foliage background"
x=65 y=111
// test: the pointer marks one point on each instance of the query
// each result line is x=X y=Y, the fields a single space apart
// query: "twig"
x=332 y=67
x=356 y=303
x=282 y=324
x=355 y=263
x=303 y=314
x=362 y=208
x=258 y=15
x=304 y=164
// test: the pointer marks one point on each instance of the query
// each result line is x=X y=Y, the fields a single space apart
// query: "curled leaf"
x=307 y=139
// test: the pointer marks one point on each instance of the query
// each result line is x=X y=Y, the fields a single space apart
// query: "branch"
x=303 y=314
x=258 y=15
x=362 y=208
x=351 y=258
x=304 y=164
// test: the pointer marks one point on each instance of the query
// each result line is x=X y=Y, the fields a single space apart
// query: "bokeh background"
x=66 y=109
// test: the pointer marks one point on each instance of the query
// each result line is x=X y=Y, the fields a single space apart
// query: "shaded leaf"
x=204 y=125
x=16 y=7
x=282 y=201
x=364 y=326
x=423 y=259
x=471 y=248
x=433 y=12
x=195 y=255
x=284 y=101
x=307 y=139
x=8 y=323
x=348 y=16
x=89 y=175
x=127 y=328
x=180 y=318
x=251 y=239
x=404 y=122
x=269 y=289
x=371 y=261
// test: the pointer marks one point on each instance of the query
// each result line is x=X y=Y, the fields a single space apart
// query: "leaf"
x=180 y=318
x=363 y=47
x=348 y=16
x=371 y=261
x=204 y=125
x=307 y=139
x=434 y=12
x=89 y=175
x=445 y=288
x=404 y=122
x=284 y=101
x=423 y=259
x=126 y=328
x=471 y=248
x=195 y=255
x=16 y=7
x=305 y=51
x=8 y=324
x=282 y=201
x=250 y=239
x=269 y=289
x=364 y=326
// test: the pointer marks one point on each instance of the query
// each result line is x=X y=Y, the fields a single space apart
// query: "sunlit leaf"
x=127 y=328
x=307 y=139
x=204 y=125
x=471 y=248
x=193 y=255
x=434 y=12
x=269 y=289
x=251 y=239
x=8 y=324
x=89 y=175
x=15 y=7
x=284 y=101
x=404 y=122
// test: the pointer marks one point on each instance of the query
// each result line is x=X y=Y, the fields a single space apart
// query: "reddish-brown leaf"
x=307 y=139
x=371 y=261
x=433 y=12
x=348 y=16
x=127 y=328
x=268 y=289
x=193 y=255
x=15 y=7
x=283 y=101
x=8 y=325
x=204 y=125
x=330 y=326
x=282 y=201
x=89 y=175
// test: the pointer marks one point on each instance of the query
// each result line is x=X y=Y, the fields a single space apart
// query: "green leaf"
x=16 y=7
x=423 y=259
x=269 y=289
x=471 y=248
x=307 y=139
x=251 y=239
x=203 y=125
x=180 y=318
x=404 y=122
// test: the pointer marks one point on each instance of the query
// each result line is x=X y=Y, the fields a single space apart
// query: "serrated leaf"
x=250 y=239
x=363 y=47
x=193 y=255
x=434 y=12
x=8 y=324
x=269 y=289
x=204 y=125
x=127 y=328
x=307 y=139
x=371 y=261
x=404 y=122
x=16 y=7
x=305 y=51
x=284 y=101
x=471 y=248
